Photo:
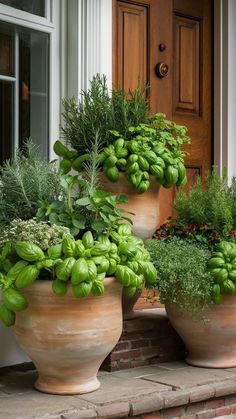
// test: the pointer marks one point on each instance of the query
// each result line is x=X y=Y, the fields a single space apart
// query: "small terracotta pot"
x=145 y=206
x=210 y=343
x=68 y=338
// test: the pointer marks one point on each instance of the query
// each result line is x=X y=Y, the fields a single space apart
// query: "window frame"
x=51 y=25
x=23 y=18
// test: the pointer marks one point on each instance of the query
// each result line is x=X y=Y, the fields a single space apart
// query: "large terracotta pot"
x=210 y=343
x=145 y=206
x=68 y=338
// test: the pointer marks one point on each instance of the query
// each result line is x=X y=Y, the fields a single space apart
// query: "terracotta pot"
x=68 y=338
x=144 y=206
x=128 y=305
x=210 y=343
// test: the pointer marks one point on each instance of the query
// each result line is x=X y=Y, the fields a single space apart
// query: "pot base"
x=47 y=386
x=212 y=363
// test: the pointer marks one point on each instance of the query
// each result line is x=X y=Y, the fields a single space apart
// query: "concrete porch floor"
x=167 y=390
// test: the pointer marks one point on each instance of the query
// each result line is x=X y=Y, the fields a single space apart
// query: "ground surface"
x=135 y=392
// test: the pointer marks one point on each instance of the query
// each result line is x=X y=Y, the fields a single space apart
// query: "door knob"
x=162 y=70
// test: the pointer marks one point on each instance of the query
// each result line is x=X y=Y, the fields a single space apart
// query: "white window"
x=29 y=74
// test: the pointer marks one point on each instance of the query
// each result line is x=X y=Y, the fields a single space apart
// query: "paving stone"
x=114 y=410
x=189 y=377
x=146 y=405
x=175 y=398
x=18 y=383
x=173 y=365
x=121 y=391
x=233 y=416
x=38 y=405
x=115 y=388
x=227 y=387
x=79 y=414
x=203 y=392
x=138 y=371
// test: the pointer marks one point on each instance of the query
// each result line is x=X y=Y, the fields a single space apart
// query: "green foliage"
x=222 y=266
x=182 y=274
x=25 y=181
x=84 y=262
x=88 y=209
x=84 y=206
x=99 y=112
x=128 y=109
x=41 y=234
x=213 y=206
x=91 y=115
x=145 y=150
x=232 y=194
x=125 y=131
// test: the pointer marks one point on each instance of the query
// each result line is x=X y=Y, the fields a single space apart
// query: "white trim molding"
x=89 y=43
x=225 y=86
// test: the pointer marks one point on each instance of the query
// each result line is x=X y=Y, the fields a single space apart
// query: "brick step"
x=146 y=339
x=169 y=390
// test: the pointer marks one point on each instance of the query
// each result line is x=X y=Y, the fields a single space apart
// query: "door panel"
x=132 y=29
x=179 y=34
x=186 y=62
x=192 y=79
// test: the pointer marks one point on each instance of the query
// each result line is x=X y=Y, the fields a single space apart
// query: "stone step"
x=159 y=391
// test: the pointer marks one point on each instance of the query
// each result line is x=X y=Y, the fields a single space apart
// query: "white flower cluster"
x=39 y=233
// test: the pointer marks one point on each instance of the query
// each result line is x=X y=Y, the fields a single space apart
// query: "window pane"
x=6 y=52
x=36 y=7
x=6 y=120
x=27 y=92
x=33 y=81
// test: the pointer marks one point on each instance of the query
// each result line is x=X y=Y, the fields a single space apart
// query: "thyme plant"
x=182 y=274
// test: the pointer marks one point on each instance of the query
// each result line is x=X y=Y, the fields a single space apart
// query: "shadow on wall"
x=10 y=352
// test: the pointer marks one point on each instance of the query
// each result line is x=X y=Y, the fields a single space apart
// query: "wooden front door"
x=177 y=33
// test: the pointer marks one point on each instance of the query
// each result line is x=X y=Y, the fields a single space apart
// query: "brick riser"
x=146 y=339
x=207 y=409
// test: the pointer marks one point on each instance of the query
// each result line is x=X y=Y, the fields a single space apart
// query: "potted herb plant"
x=61 y=276
x=195 y=256
x=138 y=153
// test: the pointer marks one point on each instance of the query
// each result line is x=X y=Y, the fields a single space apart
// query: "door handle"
x=162 y=69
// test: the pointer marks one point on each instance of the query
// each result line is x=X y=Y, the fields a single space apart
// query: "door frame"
x=225 y=86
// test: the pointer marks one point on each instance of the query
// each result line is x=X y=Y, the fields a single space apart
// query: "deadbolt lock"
x=162 y=70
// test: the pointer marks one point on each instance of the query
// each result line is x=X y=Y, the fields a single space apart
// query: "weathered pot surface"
x=68 y=338
x=128 y=304
x=144 y=206
x=210 y=343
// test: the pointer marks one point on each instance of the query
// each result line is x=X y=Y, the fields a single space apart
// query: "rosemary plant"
x=100 y=111
x=25 y=181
